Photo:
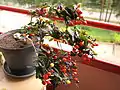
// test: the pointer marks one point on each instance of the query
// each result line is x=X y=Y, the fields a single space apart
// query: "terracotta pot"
x=19 y=61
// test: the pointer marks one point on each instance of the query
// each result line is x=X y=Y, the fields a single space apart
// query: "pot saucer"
x=18 y=74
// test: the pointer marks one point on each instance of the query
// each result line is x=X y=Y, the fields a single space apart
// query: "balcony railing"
x=96 y=63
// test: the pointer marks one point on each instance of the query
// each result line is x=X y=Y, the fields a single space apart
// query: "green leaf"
x=50 y=39
x=85 y=42
x=58 y=13
x=70 y=13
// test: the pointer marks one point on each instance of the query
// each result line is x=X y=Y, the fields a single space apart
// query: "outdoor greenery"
x=101 y=35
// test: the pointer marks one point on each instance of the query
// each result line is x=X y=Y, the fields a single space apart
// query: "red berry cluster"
x=85 y=53
x=46 y=79
x=92 y=43
x=67 y=66
x=78 y=11
x=77 y=46
x=41 y=11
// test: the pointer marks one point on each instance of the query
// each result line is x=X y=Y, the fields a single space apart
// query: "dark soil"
x=9 y=42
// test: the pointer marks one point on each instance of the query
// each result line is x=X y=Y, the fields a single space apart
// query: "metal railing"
x=89 y=22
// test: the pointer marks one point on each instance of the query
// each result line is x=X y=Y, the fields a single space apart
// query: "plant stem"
x=33 y=45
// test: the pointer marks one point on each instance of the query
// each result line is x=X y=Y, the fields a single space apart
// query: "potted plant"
x=56 y=66
x=18 y=55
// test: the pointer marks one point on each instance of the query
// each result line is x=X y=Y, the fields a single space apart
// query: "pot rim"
x=11 y=32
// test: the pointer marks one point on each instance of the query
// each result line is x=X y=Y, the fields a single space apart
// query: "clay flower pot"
x=18 y=61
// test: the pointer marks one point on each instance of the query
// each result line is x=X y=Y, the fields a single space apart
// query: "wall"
x=92 y=78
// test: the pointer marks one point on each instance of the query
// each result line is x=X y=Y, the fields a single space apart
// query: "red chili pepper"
x=44 y=82
x=79 y=11
x=55 y=57
x=45 y=76
x=1 y=32
x=76 y=79
x=48 y=82
x=49 y=73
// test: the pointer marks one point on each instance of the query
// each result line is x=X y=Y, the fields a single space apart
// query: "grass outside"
x=101 y=35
